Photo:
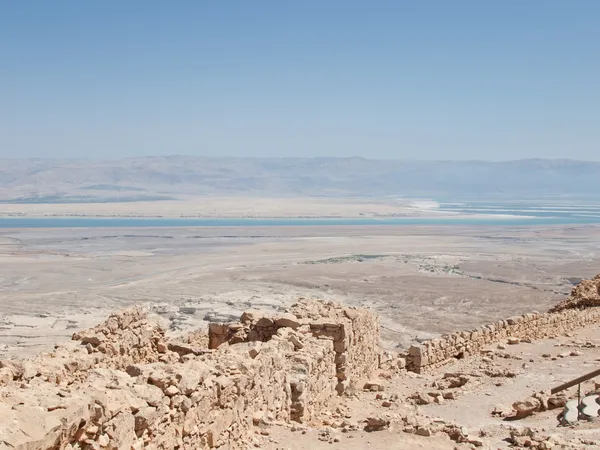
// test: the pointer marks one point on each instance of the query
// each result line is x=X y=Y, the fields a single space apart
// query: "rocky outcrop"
x=585 y=295
x=124 y=385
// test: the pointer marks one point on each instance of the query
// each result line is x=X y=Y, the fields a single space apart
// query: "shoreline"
x=222 y=211
x=441 y=216
x=15 y=223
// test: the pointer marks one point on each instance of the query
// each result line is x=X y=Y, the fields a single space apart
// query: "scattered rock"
x=376 y=424
x=421 y=398
x=558 y=400
x=526 y=408
x=423 y=431
x=374 y=386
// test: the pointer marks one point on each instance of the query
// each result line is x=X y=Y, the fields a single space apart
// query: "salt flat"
x=422 y=281
x=227 y=206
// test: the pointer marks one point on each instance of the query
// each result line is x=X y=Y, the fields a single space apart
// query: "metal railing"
x=576 y=382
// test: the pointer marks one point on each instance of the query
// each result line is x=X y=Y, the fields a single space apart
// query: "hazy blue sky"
x=390 y=79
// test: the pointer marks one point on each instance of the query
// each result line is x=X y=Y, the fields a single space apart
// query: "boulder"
x=151 y=394
x=121 y=431
x=558 y=400
x=287 y=320
x=376 y=424
x=374 y=386
x=145 y=418
x=526 y=408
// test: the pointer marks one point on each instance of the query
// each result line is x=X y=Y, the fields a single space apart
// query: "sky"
x=401 y=79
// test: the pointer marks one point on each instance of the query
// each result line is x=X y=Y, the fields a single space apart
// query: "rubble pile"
x=539 y=401
x=585 y=295
x=354 y=334
x=534 y=439
x=124 y=385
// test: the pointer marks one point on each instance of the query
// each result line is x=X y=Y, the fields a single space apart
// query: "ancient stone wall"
x=354 y=334
x=578 y=310
x=124 y=385
x=436 y=352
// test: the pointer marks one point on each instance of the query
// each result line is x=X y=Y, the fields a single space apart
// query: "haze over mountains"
x=156 y=178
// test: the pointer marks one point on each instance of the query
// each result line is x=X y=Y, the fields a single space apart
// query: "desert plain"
x=421 y=281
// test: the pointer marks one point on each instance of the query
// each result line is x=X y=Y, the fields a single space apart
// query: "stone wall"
x=436 y=352
x=124 y=385
x=355 y=336
x=353 y=332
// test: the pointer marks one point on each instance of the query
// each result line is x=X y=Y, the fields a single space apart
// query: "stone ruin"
x=434 y=353
x=124 y=385
x=586 y=294
x=575 y=312
x=355 y=354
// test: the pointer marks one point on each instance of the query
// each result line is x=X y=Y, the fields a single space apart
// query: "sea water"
x=472 y=213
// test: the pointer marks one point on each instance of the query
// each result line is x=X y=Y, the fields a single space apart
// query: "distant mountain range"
x=156 y=178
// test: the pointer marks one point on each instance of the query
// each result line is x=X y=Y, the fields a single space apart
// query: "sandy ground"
x=422 y=281
x=231 y=207
x=475 y=401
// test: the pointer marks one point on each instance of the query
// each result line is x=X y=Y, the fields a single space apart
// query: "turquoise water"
x=470 y=212
x=52 y=222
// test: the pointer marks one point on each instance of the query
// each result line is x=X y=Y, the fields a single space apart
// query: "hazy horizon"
x=99 y=158
x=159 y=178
x=431 y=80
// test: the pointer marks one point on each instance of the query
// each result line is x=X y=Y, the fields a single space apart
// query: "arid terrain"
x=422 y=281
x=502 y=375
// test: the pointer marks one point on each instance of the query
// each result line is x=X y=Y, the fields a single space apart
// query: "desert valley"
x=299 y=225
x=143 y=307
x=419 y=282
